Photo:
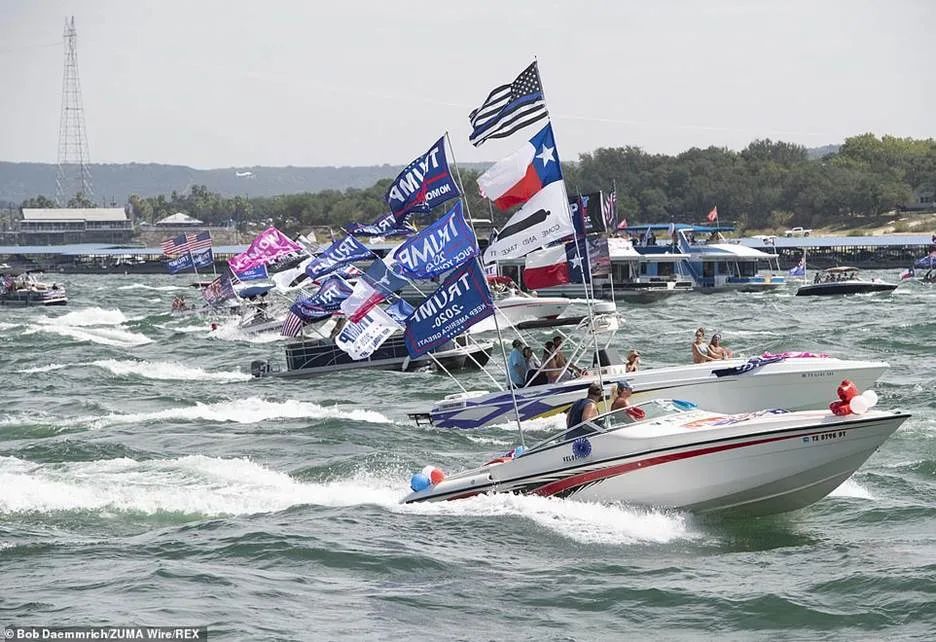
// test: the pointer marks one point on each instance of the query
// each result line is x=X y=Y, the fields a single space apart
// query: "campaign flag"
x=599 y=255
x=545 y=268
x=256 y=273
x=509 y=108
x=362 y=338
x=373 y=287
x=268 y=246
x=339 y=253
x=328 y=298
x=179 y=264
x=587 y=215
x=713 y=215
x=386 y=225
x=513 y=180
x=542 y=220
x=221 y=289
x=441 y=247
x=288 y=280
x=577 y=258
x=928 y=261
x=203 y=259
x=799 y=269
x=462 y=300
x=424 y=183
x=399 y=310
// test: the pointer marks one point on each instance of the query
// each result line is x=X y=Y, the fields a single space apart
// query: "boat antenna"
x=500 y=339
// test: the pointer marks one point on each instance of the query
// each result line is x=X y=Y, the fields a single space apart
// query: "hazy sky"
x=240 y=83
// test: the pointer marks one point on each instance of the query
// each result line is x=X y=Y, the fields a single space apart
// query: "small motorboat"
x=26 y=289
x=843 y=280
x=671 y=454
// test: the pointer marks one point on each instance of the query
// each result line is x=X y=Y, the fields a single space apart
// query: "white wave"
x=243 y=411
x=86 y=317
x=851 y=488
x=166 y=371
x=229 y=331
x=117 y=337
x=489 y=441
x=48 y=368
x=159 y=288
x=199 y=485
x=8 y=326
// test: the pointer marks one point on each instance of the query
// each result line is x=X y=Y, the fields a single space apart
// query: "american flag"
x=185 y=243
x=609 y=211
x=292 y=326
x=509 y=108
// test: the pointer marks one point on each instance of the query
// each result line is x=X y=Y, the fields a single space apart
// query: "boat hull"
x=22 y=299
x=793 y=384
x=854 y=287
x=772 y=468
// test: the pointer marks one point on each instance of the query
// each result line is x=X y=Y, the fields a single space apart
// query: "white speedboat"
x=732 y=385
x=678 y=456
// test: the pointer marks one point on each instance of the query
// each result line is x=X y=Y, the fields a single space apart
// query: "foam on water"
x=85 y=317
x=49 y=368
x=243 y=411
x=158 y=288
x=208 y=486
x=229 y=331
x=166 y=371
x=116 y=337
x=851 y=488
x=7 y=326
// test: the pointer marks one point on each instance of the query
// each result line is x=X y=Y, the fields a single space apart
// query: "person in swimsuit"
x=700 y=350
x=716 y=350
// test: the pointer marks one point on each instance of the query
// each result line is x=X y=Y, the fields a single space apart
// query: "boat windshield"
x=645 y=411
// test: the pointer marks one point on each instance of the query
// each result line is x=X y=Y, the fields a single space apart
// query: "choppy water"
x=144 y=478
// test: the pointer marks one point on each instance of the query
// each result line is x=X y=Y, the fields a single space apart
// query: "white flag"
x=360 y=339
x=542 y=220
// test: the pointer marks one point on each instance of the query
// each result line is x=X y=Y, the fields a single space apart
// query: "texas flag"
x=555 y=266
x=513 y=180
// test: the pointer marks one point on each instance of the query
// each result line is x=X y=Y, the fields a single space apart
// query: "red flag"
x=713 y=215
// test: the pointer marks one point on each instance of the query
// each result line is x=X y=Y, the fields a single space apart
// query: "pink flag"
x=713 y=215
x=269 y=245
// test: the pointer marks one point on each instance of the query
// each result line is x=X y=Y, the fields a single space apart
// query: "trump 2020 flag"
x=513 y=180
x=541 y=221
x=190 y=261
x=328 y=297
x=256 y=273
x=337 y=254
x=362 y=338
x=441 y=247
x=461 y=301
x=268 y=246
x=424 y=183
x=387 y=225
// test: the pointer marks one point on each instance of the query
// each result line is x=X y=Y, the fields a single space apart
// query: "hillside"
x=116 y=182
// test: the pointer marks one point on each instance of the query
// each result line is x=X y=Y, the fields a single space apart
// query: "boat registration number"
x=825 y=436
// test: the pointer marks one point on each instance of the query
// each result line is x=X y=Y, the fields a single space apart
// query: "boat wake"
x=242 y=411
x=851 y=488
x=229 y=331
x=86 y=325
x=164 y=371
x=86 y=317
x=157 y=288
x=197 y=486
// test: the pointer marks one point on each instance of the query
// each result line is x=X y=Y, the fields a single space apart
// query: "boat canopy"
x=840 y=269
x=679 y=227
x=255 y=290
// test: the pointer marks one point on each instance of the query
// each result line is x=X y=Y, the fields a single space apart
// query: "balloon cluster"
x=428 y=476
x=851 y=401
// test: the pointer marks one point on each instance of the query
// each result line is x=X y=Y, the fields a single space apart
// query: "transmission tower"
x=73 y=175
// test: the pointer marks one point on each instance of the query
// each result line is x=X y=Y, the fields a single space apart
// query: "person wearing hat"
x=583 y=410
x=633 y=361
x=624 y=392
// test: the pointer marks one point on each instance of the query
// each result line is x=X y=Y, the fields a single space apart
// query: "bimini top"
x=841 y=269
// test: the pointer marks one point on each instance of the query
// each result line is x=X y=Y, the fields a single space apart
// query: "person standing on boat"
x=517 y=365
x=716 y=350
x=560 y=361
x=533 y=375
x=584 y=410
x=700 y=351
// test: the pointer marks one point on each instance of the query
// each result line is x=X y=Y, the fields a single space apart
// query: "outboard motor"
x=607 y=357
x=259 y=368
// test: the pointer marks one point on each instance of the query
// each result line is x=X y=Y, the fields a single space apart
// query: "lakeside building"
x=866 y=252
x=48 y=226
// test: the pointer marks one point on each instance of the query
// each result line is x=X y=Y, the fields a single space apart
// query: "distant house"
x=57 y=226
x=923 y=198
x=179 y=219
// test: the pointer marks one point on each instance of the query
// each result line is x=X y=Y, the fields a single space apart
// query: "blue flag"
x=190 y=261
x=329 y=296
x=799 y=269
x=462 y=300
x=426 y=182
x=387 y=225
x=439 y=248
x=577 y=258
x=399 y=311
x=339 y=253
x=255 y=273
x=382 y=279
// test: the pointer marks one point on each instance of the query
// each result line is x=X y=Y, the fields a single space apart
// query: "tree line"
x=766 y=185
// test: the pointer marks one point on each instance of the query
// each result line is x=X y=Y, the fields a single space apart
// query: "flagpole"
x=500 y=339
x=608 y=236
x=588 y=301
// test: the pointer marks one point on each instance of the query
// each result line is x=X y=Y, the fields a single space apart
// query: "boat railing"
x=616 y=419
